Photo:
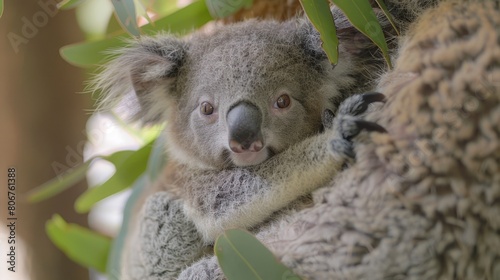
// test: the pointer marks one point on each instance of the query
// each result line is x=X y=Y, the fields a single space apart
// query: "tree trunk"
x=42 y=119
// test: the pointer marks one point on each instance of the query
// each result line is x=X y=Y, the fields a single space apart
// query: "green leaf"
x=69 y=4
x=80 y=244
x=129 y=166
x=125 y=12
x=119 y=157
x=225 y=8
x=114 y=26
x=318 y=12
x=181 y=21
x=91 y=54
x=163 y=7
x=59 y=184
x=1 y=8
x=384 y=9
x=361 y=15
x=242 y=257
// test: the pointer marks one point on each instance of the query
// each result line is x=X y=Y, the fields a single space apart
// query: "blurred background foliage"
x=101 y=26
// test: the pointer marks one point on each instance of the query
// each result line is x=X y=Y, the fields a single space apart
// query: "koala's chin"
x=250 y=158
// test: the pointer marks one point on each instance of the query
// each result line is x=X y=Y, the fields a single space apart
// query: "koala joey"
x=243 y=107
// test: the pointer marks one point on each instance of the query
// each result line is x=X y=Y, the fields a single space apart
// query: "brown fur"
x=422 y=201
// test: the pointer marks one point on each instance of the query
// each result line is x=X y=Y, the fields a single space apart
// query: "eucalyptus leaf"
x=117 y=158
x=384 y=9
x=225 y=8
x=126 y=13
x=1 y=8
x=69 y=4
x=361 y=15
x=91 y=54
x=59 y=184
x=113 y=27
x=163 y=7
x=318 y=12
x=128 y=168
x=80 y=244
x=242 y=257
x=181 y=21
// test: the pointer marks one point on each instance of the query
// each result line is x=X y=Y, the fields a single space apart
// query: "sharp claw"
x=367 y=99
x=370 y=126
x=371 y=97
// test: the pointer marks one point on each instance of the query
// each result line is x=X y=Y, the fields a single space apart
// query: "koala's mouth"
x=250 y=158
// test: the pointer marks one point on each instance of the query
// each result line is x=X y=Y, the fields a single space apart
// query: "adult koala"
x=422 y=200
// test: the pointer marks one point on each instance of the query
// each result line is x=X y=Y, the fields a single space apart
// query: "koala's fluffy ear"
x=141 y=78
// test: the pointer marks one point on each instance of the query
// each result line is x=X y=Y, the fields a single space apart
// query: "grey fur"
x=165 y=226
x=205 y=269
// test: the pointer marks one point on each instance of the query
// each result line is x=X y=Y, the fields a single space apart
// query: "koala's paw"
x=204 y=269
x=348 y=123
x=168 y=240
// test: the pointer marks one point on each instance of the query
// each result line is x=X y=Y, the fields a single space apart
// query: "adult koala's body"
x=421 y=201
x=243 y=106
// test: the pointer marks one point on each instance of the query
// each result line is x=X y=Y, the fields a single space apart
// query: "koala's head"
x=234 y=97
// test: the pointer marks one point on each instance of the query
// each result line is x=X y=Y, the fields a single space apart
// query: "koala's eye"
x=283 y=101
x=206 y=108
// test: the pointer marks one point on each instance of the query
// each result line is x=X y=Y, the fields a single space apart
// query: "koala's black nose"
x=244 y=124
